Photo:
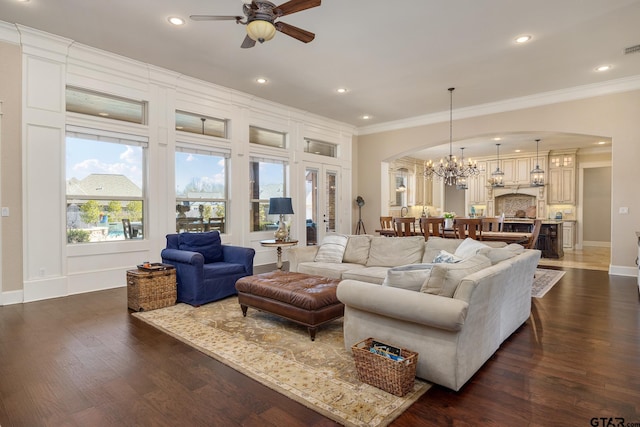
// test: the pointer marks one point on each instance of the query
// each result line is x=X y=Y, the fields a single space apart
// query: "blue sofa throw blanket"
x=206 y=270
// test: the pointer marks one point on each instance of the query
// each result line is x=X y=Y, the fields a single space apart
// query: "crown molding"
x=544 y=98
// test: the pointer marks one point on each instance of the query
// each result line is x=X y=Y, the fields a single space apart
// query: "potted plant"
x=448 y=219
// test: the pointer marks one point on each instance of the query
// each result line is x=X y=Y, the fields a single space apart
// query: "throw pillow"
x=468 y=248
x=446 y=257
x=208 y=244
x=332 y=249
x=357 y=250
x=395 y=251
x=444 y=278
x=410 y=277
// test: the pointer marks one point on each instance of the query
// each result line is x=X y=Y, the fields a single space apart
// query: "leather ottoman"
x=302 y=298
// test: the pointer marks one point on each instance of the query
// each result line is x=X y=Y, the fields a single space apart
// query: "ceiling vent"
x=632 y=49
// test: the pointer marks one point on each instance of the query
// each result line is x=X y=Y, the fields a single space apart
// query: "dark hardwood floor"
x=84 y=361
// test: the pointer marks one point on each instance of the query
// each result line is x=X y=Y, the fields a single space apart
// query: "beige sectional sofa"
x=455 y=315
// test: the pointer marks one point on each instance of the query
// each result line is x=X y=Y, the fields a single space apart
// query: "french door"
x=321 y=201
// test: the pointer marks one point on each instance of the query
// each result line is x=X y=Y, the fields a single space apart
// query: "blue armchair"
x=206 y=270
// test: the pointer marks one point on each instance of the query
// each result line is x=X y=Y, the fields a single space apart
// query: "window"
x=267 y=137
x=110 y=107
x=267 y=179
x=202 y=125
x=105 y=185
x=201 y=190
x=320 y=148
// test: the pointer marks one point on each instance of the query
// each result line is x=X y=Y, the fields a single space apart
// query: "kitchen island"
x=550 y=239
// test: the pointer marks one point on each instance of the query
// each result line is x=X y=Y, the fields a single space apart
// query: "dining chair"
x=492 y=223
x=432 y=226
x=386 y=226
x=533 y=241
x=404 y=226
x=468 y=227
x=126 y=227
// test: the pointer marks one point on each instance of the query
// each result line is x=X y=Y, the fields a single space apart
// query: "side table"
x=279 y=244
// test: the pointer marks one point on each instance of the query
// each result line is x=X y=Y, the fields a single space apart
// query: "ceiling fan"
x=260 y=20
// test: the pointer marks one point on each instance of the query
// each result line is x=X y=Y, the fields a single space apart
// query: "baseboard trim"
x=11 y=297
x=596 y=243
x=619 y=270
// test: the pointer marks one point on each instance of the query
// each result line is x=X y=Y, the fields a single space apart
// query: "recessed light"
x=103 y=114
x=23 y=1
x=175 y=20
x=261 y=80
x=341 y=90
x=517 y=151
x=366 y=117
x=603 y=68
x=523 y=39
x=497 y=138
x=602 y=142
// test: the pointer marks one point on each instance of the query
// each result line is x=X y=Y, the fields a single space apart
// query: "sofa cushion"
x=395 y=251
x=468 y=248
x=439 y=243
x=326 y=269
x=410 y=277
x=332 y=248
x=444 y=278
x=208 y=244
x=219 y=269
x=369 y=274
x=497 y=255
x=357 y=250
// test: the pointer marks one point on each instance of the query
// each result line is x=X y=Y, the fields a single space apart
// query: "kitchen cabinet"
x=517 y=171
x=568 y=238
x=562 y=178
x=477 y=191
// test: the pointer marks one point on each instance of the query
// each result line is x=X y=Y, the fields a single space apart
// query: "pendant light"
x=497 y=176
x=537 y=174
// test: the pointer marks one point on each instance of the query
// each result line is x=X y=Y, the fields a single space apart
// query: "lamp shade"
x=280 y=206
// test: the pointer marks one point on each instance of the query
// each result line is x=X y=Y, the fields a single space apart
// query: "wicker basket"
x=148 y=290
x=389 y=375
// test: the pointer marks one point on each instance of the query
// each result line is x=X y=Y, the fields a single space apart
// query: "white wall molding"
x=9 y=33
x=544 y=98
x=11 y=297
x=619 y=270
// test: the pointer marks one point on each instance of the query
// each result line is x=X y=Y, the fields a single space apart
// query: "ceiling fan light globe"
x=260 y=30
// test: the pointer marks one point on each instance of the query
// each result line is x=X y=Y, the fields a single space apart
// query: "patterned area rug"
x=544 y=280
x=320 y=374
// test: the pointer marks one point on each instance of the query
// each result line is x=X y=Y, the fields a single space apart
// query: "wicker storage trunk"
x=389 y=375
x=148 y=290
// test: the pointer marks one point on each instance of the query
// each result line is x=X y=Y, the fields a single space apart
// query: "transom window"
x=202 y=125
x=270 y=138
x=107 y=106
x=321 y=148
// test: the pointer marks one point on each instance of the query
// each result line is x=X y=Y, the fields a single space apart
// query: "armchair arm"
x=239 y=255
x=410 y=306
x=173 y=256
x=301 y=254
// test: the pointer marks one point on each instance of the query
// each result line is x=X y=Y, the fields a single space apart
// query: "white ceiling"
x=396 y=59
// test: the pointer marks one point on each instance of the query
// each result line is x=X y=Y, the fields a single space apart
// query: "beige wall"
x=614 y=116
x=11 y=166
x=596 y=206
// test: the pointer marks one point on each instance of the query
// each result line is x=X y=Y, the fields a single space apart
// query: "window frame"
x=258 y=158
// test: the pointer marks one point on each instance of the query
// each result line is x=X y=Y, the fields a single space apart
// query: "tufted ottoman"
x=308 y=300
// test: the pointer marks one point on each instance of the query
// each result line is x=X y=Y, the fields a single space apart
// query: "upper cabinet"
x=477 y=191
x=562 y=178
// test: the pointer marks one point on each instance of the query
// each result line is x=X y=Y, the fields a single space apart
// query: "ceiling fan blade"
x=294 y=6
x=214 y=18
x=295 y=32
x=248 y=42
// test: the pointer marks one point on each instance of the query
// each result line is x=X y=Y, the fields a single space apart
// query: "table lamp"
x=281 y=206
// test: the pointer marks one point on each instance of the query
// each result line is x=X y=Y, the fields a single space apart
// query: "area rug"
x=543 y=281
x=320 y=374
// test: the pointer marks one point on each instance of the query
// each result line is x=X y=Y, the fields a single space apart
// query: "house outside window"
x=105 y=185
x=201 y=190
x=267 y=179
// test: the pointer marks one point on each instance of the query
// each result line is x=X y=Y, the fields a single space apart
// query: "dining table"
x=506 y=236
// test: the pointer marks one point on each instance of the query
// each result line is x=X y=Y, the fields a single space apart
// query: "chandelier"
x=452 y=171
x=537 y=174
